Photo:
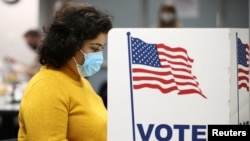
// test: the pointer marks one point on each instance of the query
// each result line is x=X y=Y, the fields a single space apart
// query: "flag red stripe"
x=181 y=69
x=243 y=78
x=247 y=52
x=180 y=63
x=243 y=85
x=151 y=72
x=155 y=86
x=244 y=72
x=176 y=49
x=182 y=76
x=165 y=66
x=246 y=46
x=164 y=81
x=188 y=70
x=186 y=83
x=240 y=70
x=175 y=56
x=178 y=72
x=191 y=91
x=177 y=69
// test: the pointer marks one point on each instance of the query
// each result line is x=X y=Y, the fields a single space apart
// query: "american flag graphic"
x=163 y=68
x=243 y=64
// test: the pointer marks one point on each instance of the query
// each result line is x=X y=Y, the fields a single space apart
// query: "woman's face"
x=91 y=46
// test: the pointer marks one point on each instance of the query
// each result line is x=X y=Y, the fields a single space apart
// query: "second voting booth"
x=169 y=84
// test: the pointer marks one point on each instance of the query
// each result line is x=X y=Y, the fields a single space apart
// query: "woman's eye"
x=95 y=49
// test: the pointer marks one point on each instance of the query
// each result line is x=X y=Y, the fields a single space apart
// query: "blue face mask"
x=92 y=63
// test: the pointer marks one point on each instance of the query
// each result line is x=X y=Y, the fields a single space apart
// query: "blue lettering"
x=145 y=137
x=158 y=132
x=195 y=132
x=181 y=131
x=198 y=132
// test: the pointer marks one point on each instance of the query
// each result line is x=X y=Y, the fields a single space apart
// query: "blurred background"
x=19 y=16
x=144 y=13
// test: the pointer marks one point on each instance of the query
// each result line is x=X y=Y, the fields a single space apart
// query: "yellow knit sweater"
x=58 y=106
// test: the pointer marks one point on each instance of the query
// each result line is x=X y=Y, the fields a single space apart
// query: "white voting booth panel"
x=169 y=84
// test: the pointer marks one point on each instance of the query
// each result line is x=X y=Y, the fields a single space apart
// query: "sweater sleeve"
x=44 y=110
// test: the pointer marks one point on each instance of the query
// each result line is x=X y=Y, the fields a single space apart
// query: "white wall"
x=15 y=20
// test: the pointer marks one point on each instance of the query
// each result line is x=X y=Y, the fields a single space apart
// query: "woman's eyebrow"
x=98 y=44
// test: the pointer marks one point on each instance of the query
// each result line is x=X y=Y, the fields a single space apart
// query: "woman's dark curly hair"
x=70 y=27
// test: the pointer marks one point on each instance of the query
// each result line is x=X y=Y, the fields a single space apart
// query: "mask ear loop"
x=84 y=55
x=75 y=60
x=77 y=65
x=82 y=51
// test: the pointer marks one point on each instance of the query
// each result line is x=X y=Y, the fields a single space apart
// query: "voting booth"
x=170 y=84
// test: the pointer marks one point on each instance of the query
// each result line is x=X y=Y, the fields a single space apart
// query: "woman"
x=58 y=103
x=167 y=16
